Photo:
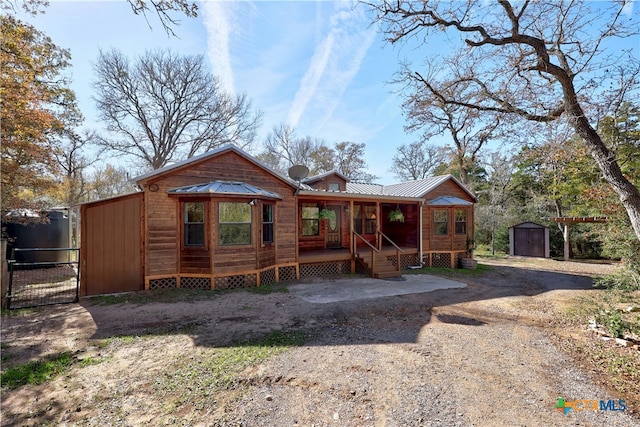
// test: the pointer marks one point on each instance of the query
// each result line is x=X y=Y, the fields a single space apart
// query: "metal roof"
x=360 y=188
x=323 y=175
x=448 y=200
x=418 y=188
x=225 y=188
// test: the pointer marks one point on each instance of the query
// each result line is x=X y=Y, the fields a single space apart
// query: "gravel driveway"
x=482 y=355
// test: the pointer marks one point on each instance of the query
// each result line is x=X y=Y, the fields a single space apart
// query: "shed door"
x=529 y=242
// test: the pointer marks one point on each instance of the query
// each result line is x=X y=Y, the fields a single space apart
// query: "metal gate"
x=35 y=281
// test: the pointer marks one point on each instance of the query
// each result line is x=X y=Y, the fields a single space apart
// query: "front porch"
x=385 y=262
x=409 y=256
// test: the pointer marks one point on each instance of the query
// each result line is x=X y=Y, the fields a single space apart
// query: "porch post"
x=352 y=249
x=420 y=233
x=379 y=243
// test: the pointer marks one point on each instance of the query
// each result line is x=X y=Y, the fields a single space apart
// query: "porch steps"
x=383 y=269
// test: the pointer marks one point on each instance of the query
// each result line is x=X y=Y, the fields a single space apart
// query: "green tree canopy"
x=37 y=108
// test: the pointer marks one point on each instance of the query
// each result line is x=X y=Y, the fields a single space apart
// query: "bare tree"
x=283 y=149
x=470 y=130
x=165 y=107
x=73 y=160
x=349 y=161
x=163 y=8
x=109 y=181
x=416 y=160
x=492 y=209
x=322 y=160
x=541 y=61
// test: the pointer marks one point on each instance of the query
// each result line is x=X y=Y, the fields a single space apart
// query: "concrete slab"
x=323 y=292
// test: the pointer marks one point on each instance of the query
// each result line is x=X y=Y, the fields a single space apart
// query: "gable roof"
x=226 y=188
x=417 y=188
x=324 y=175
x=213 y=153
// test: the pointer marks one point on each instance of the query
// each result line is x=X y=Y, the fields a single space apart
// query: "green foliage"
x=193 y=380
x=624 y=280
x=37 y=107
x=268 y=288
x=611 y=319
x=396 y=216
x=41 y=371
x=180 y=295
x=36 y=372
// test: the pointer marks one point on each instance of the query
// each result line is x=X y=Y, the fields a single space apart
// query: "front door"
x=334 y=228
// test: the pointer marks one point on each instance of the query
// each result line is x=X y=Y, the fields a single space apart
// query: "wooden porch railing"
x=354 y=249
x=377 y=250
x=381 y=235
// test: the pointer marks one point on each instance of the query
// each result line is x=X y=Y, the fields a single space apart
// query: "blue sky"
x=318 y=66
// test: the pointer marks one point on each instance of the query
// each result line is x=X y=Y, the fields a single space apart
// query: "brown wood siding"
x=450 y=242
x=111 y=248
x=164 y=228
x=266 y=256
x=448 y=188
x=163 y=235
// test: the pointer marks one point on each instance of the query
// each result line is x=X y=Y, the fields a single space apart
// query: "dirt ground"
x=485 y=355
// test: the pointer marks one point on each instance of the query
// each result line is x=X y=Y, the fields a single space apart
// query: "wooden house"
x=224 y=220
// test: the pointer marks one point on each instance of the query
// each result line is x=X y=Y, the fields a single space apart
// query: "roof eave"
x=358 y=196
x=224 y=194
x=141 y=179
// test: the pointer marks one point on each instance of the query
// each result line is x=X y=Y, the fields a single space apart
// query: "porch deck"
x=344 y=254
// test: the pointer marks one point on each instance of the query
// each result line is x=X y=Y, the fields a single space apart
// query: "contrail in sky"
x=217 y=18
x=335 y=62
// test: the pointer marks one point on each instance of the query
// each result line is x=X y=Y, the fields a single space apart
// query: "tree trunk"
x=606 y=160
x=629 y=195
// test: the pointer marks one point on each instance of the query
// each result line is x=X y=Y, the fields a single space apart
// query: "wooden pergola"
x=568 y=220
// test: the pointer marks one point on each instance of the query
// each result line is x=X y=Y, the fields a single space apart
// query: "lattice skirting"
x=268 y=277
x=287 y=273
x=163 y=283
x=236 y=281
x=325 y=269
x=443 y=259
x=195 y=282
x=283 y=273
x=409 y=259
